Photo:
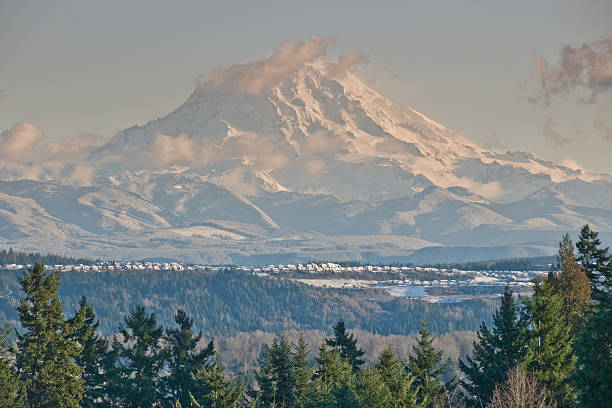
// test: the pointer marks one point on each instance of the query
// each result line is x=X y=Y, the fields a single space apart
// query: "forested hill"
x=27 y=258
x=226 y=302
x=538 y=263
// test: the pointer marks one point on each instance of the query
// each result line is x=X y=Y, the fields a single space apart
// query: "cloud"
x=25 y=153
x=254 y=77
x=346 y=63
x=550 y=133
x=166 y=150
x=572 y=164
x=258 y=151
x=18 y=144
x=588 y=66
x=323 y=141
x=491 y=190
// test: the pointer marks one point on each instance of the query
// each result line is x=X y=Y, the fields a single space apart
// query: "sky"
x=522 y=75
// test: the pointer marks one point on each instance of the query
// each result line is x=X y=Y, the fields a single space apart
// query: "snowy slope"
x=316 y=166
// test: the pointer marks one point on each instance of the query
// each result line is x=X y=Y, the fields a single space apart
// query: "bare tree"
x=521 y=390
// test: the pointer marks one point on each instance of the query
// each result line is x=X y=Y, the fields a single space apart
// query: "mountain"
x=316 y=166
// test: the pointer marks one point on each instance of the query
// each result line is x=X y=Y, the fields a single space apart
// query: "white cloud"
x=346 y=63
x=25 y=153
x=571 y=164
x=254 y=77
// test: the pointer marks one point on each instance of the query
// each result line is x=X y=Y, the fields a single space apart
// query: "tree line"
x=11 y=256
x=536 y=263
x=553 y=349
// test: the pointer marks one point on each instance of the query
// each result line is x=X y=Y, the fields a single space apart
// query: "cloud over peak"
x=287 y=60
x=253 y=77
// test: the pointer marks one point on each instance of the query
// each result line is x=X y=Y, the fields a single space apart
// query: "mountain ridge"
x=301 y=169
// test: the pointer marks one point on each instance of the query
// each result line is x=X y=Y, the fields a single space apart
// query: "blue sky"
x=85 y=67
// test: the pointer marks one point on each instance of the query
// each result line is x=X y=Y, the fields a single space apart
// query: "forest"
x=552 y=349
x=223 y=303
x=27 y=258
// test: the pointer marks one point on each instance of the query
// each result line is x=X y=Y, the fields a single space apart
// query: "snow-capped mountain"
x=316 y=166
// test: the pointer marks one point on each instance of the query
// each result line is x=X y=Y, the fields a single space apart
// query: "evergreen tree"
x=595 y=260
x=94 y=349
x=141 y=358
x=495 y=352
x=346 y=345
x=47 y=350
x=594 y=350
x=371 y=391
x=333 y=381
x=570 y=282
x=11 y=389
x=331 y=368
x=393 y=373
x=302 y=371
x=276 y=376
x=113 y=388
x=549 y=356
x=185 y=360
x=426 y=368
x=210 y=389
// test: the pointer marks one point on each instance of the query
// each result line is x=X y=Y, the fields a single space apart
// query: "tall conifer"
x=94 y=349
x=393 y=373
x=185 y=360
x=595 y=261
x=426 y=367
x=11 y=388
x=276 y=376
x=495 y=352
x=550 y=356
x=346 y=344
x=48 y=352
x=570 y=282
x=141 y=358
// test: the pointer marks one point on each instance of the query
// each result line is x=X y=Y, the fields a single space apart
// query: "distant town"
x=405 y=281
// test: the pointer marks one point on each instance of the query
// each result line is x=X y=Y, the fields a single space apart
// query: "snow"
x=313 y=167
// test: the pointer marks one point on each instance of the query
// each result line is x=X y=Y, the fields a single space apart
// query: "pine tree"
x=595 y=261
x=94 y=349
x=495 y=352
x=426 y=368
x=594 y=350
x=593 y=345
x=302 y=371
x=210 y=389
x=331 y=368
x=570 y=282
x=141 y=357
x=346 y=345
x=185 y=360
x=332 y=380
x=276 y=375
x=393 y=373
x=550 y=356
x=47 y=350
x=11 y=389
x=371 y=391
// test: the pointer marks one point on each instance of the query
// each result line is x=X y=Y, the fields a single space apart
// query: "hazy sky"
x=97 y=67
